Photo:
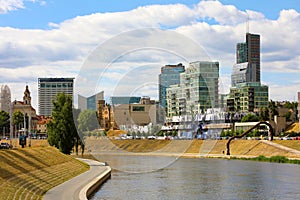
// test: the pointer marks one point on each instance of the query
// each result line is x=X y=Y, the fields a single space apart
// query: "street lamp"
x=11 y=121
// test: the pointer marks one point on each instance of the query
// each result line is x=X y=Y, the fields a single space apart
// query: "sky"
x=133 y=39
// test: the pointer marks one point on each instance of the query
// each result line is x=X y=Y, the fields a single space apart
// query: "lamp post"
x=11 y=122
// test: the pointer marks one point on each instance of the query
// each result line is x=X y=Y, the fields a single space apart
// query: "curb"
x=90 y=188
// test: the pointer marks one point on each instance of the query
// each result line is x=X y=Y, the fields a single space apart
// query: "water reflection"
x=206 y=179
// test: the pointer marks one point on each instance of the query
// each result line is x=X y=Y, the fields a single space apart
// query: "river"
x=197 y=178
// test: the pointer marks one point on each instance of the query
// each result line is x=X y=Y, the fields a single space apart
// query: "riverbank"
x=195 y=148
x=29 y=173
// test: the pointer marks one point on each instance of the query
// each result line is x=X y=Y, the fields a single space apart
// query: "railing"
x=248 y=131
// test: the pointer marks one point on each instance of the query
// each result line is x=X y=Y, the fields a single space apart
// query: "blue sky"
x=39 y=14
x=41 y=38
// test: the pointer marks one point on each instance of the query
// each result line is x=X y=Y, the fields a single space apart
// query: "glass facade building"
x=249 y=97
x=243 y=73
x=124 y=100
x=170 y=75
x=249 y=52
x=89 y=103
x=198 y=89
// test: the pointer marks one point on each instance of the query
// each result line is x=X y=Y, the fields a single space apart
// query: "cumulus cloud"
x=10 y=5
x=63 y=48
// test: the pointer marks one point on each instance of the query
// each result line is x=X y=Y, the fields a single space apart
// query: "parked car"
x=5 y=145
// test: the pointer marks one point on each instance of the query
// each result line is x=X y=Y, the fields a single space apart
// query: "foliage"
x=250 y=118
x=87 y=120
x=61 y=129
x=275 y=159
x=4 y=121
x=18 y=118
x=290 y=105
x=288 y=116
x=272 y=108
x=264 y=114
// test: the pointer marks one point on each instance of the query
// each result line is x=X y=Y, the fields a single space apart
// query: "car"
x=151 y=137
x=5 y=145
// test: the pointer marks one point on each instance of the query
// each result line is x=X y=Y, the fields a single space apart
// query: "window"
x=138 y=108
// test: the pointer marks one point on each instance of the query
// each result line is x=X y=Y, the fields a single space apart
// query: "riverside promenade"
x=81 y=186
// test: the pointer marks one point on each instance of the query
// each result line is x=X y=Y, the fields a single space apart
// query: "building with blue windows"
x=48 y=88
x=170 y=75
x=90 y=103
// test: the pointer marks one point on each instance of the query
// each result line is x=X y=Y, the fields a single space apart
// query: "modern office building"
x=5 y=98
x=248 y=97
x=176 y=103
x=250 y=52
x=198 y=89
x=48 y=88
x=243 y=73
x=90 y=103
x=170 y=75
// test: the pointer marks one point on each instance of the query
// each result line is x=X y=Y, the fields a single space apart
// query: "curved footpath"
x=81 y=186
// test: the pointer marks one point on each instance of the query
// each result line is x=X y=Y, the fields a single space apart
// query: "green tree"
x=264 y=114
x=4 y=121
x=250 y=118
x=18 y=118
x=273 y=109
x=61 y=129
x=288 y=116
x=87 y=120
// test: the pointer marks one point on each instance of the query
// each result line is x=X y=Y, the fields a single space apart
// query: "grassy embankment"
x=210 y=148
x=29 y=172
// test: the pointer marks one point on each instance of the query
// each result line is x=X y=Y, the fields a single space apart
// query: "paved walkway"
x=279 y=146
x=70 y=190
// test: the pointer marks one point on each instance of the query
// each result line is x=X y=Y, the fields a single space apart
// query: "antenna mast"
x=247 y=24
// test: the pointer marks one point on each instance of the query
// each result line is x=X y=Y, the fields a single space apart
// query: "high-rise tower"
x=170 y=75
x=250 y=52
x=48 y=88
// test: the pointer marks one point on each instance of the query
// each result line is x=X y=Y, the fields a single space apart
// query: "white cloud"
x=10 y=5
x=60 y=51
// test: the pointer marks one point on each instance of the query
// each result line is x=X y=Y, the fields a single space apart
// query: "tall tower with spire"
x=27 y=97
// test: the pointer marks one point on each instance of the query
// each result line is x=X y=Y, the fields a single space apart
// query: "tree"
x=273 y=109
x=61 y=129
x=4 y=121
x=250 y=118
x=18 y=118
x=264 y=114
x=87 y=120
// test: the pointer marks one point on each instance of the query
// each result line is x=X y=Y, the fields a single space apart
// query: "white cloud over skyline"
x=60 y=50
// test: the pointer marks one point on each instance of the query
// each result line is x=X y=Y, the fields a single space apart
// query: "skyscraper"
x=243 y=73
x=5 y=98
x=247 y=94
x=198 y=89
x=48 y=88
x=250 y=52
x=170 y=75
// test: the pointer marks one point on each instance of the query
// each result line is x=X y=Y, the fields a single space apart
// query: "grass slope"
x=214 y=147
x=28 y=173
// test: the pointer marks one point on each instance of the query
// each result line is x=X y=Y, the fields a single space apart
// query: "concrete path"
x=279 y=146
x=77 y=187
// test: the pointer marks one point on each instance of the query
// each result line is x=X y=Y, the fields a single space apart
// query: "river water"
x=197 y=178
